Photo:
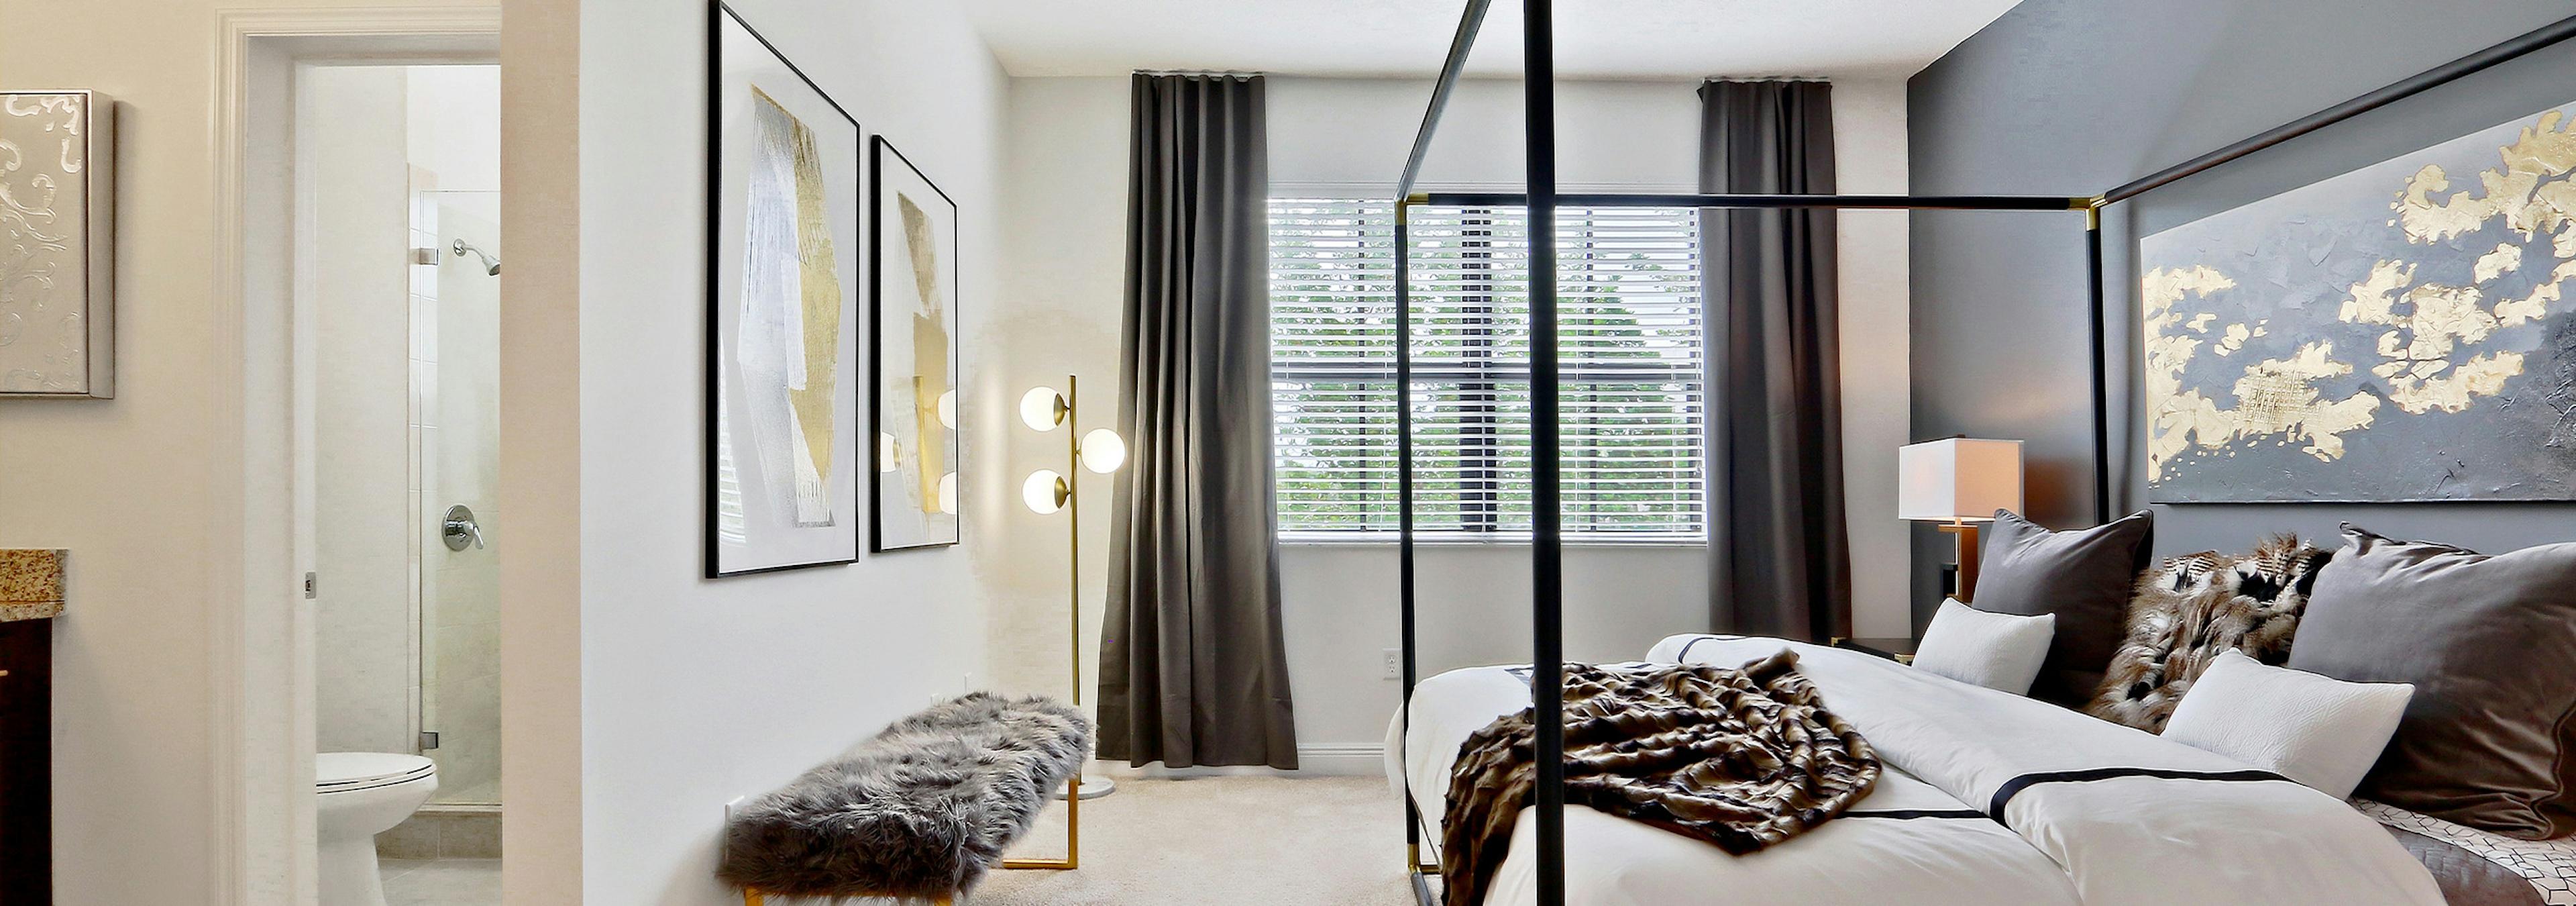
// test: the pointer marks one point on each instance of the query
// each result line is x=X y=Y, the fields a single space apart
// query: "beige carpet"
x=1220 y=841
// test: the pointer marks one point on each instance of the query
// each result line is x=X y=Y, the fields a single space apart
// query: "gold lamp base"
x=1966 y=541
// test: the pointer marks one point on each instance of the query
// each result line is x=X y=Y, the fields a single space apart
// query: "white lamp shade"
x=1958 y=479
x=948 y=493
x=948 y=410
x=1103 y=451
x=1039 y=492
x=1039 y=408
x=885 y=451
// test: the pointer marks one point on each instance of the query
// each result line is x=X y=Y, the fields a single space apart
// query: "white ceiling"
x=1601 y=39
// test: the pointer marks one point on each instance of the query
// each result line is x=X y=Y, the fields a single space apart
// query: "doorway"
x=330 y=645
x=398 y=259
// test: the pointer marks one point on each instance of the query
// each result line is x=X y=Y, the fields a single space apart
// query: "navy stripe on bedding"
x=2013 y=787
x=1912 y=813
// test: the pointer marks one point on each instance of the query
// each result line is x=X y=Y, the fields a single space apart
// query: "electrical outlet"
x=1394 y=664
x=722 y=837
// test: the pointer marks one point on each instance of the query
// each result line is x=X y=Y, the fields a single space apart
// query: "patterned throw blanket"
x=1740 y=758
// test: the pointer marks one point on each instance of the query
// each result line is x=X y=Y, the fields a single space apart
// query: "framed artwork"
x=783 y=322
x=914 y=263
x=57 y=244
x=2400 y=332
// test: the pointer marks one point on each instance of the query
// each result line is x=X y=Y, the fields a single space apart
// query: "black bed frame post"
x=1404 y=503
x=1547 y=542
x=1470 y=21
x=2101 y=367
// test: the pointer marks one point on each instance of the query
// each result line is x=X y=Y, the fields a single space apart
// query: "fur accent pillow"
x=2186 y=612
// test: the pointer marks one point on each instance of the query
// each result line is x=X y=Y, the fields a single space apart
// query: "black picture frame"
x=812 y=545
x=885 y=403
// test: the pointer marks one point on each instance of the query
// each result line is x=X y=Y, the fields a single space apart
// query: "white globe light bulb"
x=948 y=410
x=948 y=493
x=1039 y=491
x=1103 y=451
x=1037 y=408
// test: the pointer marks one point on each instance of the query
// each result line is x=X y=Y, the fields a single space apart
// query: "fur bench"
x=920 y=811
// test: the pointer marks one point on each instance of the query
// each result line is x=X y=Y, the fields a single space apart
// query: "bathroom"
x=398 y=256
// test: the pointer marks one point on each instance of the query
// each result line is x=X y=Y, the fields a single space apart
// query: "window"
x=1633 y=398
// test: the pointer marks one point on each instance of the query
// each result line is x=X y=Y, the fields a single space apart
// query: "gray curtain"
x=1779 y=556
x=1192 y=668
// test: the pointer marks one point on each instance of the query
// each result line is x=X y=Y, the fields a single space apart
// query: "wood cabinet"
x=26 y=762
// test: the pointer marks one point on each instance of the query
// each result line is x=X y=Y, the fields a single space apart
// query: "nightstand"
x=1899 y=650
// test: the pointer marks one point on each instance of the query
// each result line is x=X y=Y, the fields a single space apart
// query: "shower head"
x=491 y=265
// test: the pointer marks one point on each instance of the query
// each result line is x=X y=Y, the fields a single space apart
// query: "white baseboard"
x=1353 y=759
x=1319 y=760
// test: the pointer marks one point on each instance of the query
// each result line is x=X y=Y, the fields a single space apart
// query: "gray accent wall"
x=2073 y=97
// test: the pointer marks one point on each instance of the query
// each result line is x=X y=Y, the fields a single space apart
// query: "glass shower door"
x=456 y=306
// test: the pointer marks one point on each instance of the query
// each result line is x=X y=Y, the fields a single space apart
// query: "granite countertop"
x=31 y=584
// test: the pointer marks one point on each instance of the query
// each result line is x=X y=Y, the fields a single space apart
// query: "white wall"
x=698 y=691
x=1869 y=159
x=1067 y=209
x=356 y=184
x=456 y=125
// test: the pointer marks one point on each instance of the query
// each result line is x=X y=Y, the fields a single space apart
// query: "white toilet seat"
x=339 y=772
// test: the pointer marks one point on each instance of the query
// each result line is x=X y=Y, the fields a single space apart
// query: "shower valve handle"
x=459 y=529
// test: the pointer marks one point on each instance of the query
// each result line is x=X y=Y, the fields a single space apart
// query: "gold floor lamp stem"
x=1073 y=574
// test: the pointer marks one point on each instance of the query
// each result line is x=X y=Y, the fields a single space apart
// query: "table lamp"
x=1959 y=482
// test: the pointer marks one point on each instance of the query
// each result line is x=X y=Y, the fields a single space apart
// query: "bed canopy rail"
x=1542 y=199
x=1765 y=202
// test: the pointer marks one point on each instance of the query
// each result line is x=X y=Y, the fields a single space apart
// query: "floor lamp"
x=1045 y=492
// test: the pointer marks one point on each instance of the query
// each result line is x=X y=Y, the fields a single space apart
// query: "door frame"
x=261 y=630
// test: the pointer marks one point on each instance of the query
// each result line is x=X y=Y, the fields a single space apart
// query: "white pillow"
x=2317 y=730
x=1994 y=650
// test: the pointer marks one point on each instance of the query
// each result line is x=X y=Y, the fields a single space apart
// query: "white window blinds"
x=1633 y=400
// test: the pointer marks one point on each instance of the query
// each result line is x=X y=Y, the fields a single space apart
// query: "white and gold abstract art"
x=916 y=390
x=784 y=458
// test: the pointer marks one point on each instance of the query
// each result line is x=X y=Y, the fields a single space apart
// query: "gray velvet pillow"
x=2490 y=644
x=2081 y=575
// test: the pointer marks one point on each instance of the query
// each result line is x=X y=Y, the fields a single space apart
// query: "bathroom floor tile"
x=442 y=882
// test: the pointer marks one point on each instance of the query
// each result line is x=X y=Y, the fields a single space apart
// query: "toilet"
x=360 y=795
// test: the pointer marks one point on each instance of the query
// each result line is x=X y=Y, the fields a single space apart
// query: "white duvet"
x=1950 y=748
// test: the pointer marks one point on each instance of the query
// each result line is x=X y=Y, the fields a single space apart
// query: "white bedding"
x=1949 y=748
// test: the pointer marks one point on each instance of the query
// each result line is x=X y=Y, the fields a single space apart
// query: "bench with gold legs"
x=920 y=811
x=1072 y=848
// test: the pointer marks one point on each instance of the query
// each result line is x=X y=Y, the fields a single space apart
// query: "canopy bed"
x=1985 y=796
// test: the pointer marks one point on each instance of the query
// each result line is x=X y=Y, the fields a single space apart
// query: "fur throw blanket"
x=2187 y=612
x=921 y=810
x=1740 y=758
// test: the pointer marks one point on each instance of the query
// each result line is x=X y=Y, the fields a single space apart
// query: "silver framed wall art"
x=57 y=244
x=914 y=370
x=783 y=247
